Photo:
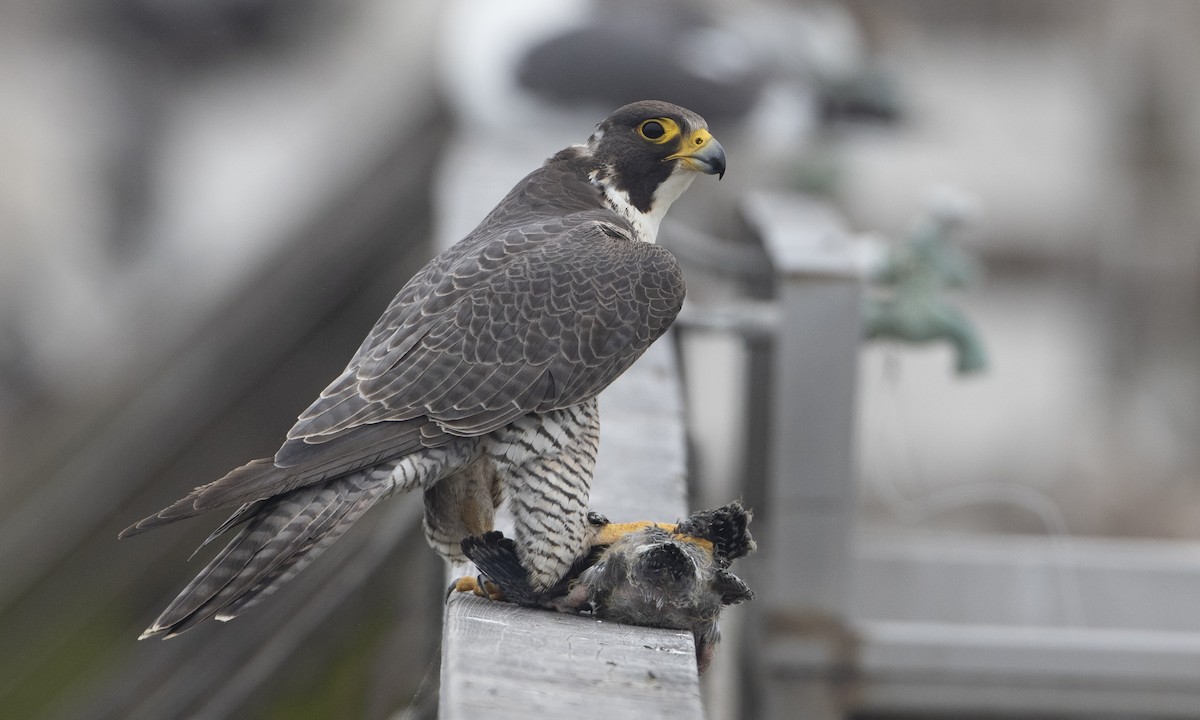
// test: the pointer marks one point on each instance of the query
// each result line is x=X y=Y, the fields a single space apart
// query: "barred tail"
x=280 y=536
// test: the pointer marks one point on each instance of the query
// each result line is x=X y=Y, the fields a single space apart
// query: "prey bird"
x=638 y=573
x=478 y=384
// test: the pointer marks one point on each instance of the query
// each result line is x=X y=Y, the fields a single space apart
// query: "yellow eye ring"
x=658 y=130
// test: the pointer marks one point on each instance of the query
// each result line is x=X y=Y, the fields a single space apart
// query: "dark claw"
x=595 y=518
x=481 y=582
x=450 y=590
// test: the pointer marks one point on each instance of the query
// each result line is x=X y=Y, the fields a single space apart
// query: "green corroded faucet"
x=915 y=275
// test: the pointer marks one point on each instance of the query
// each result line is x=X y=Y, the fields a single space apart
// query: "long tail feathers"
x=281 y=535
x=303 y=464
x=191 y=504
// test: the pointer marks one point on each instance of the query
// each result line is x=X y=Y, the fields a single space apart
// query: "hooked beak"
x=701 y=152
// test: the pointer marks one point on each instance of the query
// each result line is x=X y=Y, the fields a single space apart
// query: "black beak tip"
x=716 y=164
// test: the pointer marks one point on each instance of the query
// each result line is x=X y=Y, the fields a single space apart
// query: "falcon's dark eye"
x=659 y=130
x=652 y=130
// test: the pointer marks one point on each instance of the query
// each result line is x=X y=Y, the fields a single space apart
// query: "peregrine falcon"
x=478 y=384
x=642 y=573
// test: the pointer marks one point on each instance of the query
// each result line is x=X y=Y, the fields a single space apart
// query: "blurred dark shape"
x=871 y=95
x=18 y=382
x=633 y=50
x=193 y=32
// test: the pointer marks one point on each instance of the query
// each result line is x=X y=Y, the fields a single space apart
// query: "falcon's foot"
x=496 y=556
x=479 y=585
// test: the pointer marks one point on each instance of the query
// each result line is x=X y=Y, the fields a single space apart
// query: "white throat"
x=646 y=223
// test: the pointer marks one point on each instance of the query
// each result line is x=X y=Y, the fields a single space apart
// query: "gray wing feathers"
x=540 y=318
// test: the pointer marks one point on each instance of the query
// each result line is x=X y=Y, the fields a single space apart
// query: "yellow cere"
x=693 y=143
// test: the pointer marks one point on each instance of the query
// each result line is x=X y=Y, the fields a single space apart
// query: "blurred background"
x=205 y=205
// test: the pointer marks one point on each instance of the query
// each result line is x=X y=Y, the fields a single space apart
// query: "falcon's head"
x=648 y=153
